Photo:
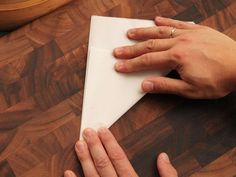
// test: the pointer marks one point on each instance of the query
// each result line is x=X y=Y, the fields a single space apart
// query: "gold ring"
x=172 y=32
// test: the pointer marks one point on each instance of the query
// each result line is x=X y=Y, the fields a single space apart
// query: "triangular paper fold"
x=108 y=94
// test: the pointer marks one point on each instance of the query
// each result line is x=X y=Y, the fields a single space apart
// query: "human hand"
x=101 y=155
x=204 y=58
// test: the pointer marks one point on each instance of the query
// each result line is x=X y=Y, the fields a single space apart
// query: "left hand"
x=101 y=155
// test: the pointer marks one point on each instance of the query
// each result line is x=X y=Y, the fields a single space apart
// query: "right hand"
x=204 y=58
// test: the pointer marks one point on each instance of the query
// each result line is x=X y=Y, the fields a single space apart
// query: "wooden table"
x=42 y=70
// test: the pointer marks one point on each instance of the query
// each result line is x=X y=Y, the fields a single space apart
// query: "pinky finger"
x=69 y=173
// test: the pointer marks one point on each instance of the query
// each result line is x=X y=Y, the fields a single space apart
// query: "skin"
x=206 y=62
x=101 y=155
x=204 y=58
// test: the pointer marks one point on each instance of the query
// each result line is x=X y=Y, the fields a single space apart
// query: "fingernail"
x=80 y=146
x=131 y=33
x=69 y=174
x=148 y=86
x=119 y=51
x=102 y=130
x=88 y=133
x=158 y=18
x=119 y=66
x=165 y=158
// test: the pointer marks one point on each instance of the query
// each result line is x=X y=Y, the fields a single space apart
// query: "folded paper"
x=108 y=94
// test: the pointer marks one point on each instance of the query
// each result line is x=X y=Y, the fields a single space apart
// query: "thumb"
x=164 y=166
x=167 y=85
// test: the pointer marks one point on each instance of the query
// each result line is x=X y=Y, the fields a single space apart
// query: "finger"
x=116 y=154
x=164 y=166
x=69 y=173
x=149 y=61
x=161 y=21
x=141 y=48
x=167 y=85
x=99 y=155
x=85 y=159
x=157 y=32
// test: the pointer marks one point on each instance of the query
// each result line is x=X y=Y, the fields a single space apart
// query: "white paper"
x=108 y=94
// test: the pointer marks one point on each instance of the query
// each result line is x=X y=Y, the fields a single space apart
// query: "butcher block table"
x=42 y=71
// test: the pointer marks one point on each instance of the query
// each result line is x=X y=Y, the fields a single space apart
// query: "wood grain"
x=42 y=71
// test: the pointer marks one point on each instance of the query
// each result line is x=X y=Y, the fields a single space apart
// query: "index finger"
x=117 y=156
x=98 y=153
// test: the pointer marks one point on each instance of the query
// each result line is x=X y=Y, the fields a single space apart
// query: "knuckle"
x=203 y=27
x=180 y=25
x=83 y=157
x=92 y=174
x=174 y=53
x=127 y=172
x=189 y=93
x=146 y=60
x=93 y=141
x=160 y=87
x=117 y=156
x=102 y=163
x=161 y=31
x=178 y=54
x=140 y=31
x=185 y=39
x=151 y=44
x=130 y=50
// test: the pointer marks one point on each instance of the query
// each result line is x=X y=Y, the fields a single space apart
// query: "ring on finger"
x=172 y=33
